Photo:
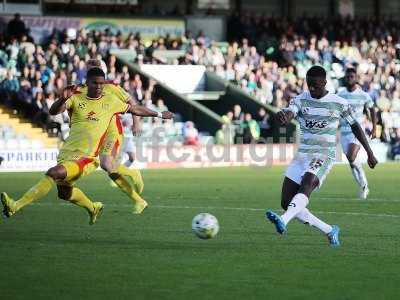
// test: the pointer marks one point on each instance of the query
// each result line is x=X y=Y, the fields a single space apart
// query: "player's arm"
x=359 y=134
x=371 y=114
x=374 y=119
x=140 y=110
x=136 y=126
x=59 y=105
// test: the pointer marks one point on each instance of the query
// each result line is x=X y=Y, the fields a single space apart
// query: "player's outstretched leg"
x=39 y=190
x=77 y=197
x=289 y=190
x=357 y=170
x=139 y=203
x=332 y=232
x=359 y=175
x=107 y=164
x=300 y=199
x=333 y=236
x=275 y=219
x=295 y=205
x=8 y=205
x=134 y=175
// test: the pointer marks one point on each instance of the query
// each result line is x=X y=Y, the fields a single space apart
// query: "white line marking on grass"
x=343 y=199
x=264 y=209
x=236 y=208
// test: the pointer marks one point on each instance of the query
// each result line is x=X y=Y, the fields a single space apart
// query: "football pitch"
x=48 y=251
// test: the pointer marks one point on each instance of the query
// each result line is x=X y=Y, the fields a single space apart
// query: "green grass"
x=48 y=251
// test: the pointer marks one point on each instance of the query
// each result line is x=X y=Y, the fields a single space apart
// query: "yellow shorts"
x=114 y=138
x=77 y=168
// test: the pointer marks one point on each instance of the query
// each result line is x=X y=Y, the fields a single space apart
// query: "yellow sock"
x=36 y=192
x=124 y=185
x=135 y=175
x=80 y=199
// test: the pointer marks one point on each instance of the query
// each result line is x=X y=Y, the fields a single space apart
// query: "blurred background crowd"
x=267 y=57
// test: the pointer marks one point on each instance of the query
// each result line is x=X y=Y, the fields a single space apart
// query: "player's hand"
x=373 y=133
x=372 y=161
x=68 y=91
x=283 y=117
x=167 y=115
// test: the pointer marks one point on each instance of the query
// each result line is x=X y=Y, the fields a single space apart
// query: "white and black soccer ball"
x=205 y=226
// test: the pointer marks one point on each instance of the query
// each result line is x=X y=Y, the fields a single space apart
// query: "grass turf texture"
x=48 y=251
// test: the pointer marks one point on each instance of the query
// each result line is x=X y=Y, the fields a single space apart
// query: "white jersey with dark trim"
x=319 y=120
x=358 y=100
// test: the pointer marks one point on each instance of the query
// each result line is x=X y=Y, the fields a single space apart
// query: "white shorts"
x=346 y=140
x=128 y=145
x=317 y=165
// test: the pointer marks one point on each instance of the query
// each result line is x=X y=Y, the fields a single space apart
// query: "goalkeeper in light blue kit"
x=318 y=113
x=358 y=101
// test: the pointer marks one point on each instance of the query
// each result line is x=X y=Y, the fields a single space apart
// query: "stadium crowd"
x=33 y=76
x=267 y=57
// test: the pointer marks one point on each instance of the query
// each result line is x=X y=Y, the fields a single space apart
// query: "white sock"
x=298 y=203
x=355 y=173
x=359 y=174
x=306 y=217
x=128 y=163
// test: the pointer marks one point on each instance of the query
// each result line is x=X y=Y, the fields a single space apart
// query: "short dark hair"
x=95 y=72
x=351 y=70
x=316 y=71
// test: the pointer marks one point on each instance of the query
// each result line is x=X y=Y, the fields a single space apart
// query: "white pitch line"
x=342 y=199
x=237 y=209
x=264 y=209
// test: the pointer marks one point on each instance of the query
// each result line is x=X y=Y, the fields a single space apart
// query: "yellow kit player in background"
x=91 y=115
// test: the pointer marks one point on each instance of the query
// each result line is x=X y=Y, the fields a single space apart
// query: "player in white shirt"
x=318 y=113
x=358 y=101
x=128 y=146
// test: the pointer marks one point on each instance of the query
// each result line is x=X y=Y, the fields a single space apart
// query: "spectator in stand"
x=81 y=72
x=190 y=134
x=9 y=88
x=137 y=89
x=16 y=27
x=225 y=135
x=237 y=119
x=395 y=151
x=251 y=130
x=160 y=106
x=262 y=119
x=147 y=101
x=238 y=115
x=24 y=97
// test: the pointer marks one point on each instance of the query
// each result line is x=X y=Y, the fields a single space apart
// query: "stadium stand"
x=34 y=76
x=268 y=58
x=271 y=68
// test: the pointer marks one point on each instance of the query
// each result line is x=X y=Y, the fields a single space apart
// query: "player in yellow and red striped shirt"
x=110 y=148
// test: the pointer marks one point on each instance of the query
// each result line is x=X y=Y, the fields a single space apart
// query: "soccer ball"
x=205 y=226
